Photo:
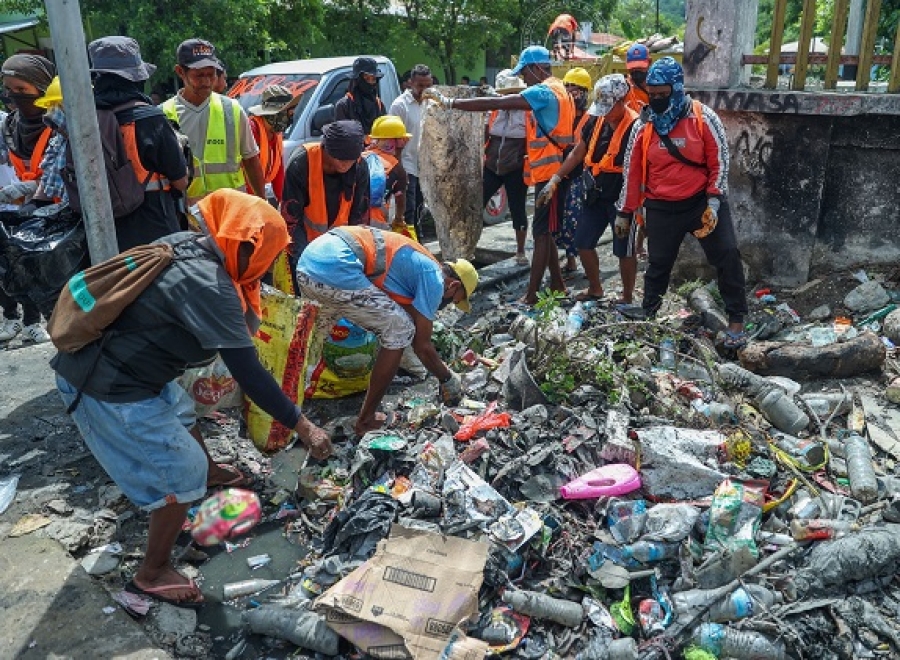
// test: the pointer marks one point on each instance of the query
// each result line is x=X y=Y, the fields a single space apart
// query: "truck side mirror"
x=322 y=117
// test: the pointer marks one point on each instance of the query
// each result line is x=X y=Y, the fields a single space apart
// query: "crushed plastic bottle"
x=863 y=484
x=302 y=627
x=667 y=354
x=542 y=606
x=8 y=487
x=724 y=642
x=807 y=453
x=781 y=411
x=648 y=552
x=743 y=602
x=738 y=377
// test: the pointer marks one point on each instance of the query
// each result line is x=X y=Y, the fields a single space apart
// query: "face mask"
x=280 y=123
x=366 y=89
x=22 y=102
x=580 y=100
x=659 y=106
x=639 y=77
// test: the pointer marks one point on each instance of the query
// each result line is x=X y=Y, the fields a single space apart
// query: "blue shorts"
x=595 y=218
x=144 y=446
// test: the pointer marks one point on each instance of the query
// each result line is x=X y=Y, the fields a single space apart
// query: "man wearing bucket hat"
x=677 y=169
x=504 y=159
x=151 y=143
x=387 y=178
x=361 y=102
x=600 y=151
x=268 y=121
x=390 y=285
x=225 y=153
x=549 y=132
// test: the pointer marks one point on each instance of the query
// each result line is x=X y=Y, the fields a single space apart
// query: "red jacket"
x=668 y=179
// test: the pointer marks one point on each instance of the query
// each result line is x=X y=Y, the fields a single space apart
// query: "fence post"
x=775 y=42
x=838 y=25
x=807 y=21
x=867 y=47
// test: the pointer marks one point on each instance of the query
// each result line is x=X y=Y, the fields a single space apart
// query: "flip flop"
x=239 y=478
x=584 y=296
x=734 y=341
x=156 y=593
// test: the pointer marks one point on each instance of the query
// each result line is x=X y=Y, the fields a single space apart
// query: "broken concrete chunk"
x=59 y=507
x=891 y=326
x=100 y=563
x=71 y=534
x=862 y=354
x=893 y=391
x=178 y=621
x=820 y=313
x=867 y=297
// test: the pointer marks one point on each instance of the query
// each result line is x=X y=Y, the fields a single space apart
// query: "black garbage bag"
x=40 y=253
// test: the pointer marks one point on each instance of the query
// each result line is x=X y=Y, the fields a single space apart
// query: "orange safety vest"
x=607 y=162
x=375 y=249
x=377 y=213
x=545 y=157
x=271 y=149
x=32 y=170
x=315 y=214
x=636 y=98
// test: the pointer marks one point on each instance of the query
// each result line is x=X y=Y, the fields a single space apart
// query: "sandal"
x=156 y=593
x=522 y=260
x=584 y=296
x=735 y=340
x=239 y=478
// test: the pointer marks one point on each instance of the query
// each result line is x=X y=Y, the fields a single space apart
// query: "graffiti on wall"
x=751 y=101
x=752 y=155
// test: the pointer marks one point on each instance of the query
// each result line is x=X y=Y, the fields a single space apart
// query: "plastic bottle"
x=820 y=529
x=781 y=411
x=304 y=628
x=718 y=413
x=575 y=321
x=743 y=602
x=246 y=587
x=724 y=642
x=542 y=606
x=606 y=481
x=808 y=453
x=667 y=354
x=703 y=302
x=8 y=491
x=863 y=484
x=650 y=551
x=824 y=403
x=736 y=376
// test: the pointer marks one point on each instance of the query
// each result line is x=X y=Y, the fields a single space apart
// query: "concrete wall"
x=809 y=192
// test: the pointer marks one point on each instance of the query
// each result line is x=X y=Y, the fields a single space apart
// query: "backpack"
x=95 y=297
x=126 y=192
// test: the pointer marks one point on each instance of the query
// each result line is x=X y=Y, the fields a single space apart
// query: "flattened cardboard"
x=406 y=601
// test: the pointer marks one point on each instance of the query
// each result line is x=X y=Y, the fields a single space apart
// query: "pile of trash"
x=607 y=489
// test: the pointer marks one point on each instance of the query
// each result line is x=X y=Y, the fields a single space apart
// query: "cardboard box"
x=407 y=600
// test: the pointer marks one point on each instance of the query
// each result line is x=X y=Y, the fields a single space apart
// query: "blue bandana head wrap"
x=666 y=71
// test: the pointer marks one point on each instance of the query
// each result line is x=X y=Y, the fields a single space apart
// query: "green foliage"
x=635 y=19
x=548 y=302
x=688 y=288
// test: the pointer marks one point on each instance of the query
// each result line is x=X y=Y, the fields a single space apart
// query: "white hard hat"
x=508 y=83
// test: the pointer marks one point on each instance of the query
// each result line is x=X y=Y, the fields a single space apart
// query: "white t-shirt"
x=410 y=111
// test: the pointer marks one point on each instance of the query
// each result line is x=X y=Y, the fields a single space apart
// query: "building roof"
x=605 y=39
x=19 y=24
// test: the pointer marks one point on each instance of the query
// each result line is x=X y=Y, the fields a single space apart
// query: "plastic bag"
x=282 y=343
x=39 y=255
x=735 y=515
x=670 y=522
x=348 y=355
x=484 y=422
x=211 y=387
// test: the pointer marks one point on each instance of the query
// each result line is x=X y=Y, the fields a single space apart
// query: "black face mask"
x=365 y=88
x=580 y=100
x=660 y=105
x=638 y=77
x=24 y=103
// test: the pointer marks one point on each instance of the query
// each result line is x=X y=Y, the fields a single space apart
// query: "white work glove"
x=17 y=192
x=622 y=225
x=433 y=94
x=451 y=390
x=710 y=218
x=547 y=192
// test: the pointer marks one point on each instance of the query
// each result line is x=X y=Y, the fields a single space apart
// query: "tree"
x=353 y=27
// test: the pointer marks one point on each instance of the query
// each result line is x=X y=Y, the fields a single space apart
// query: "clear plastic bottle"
x=648 y=552
x=741 y=603
x=736 y=376
x=724 y=642
x=667 y=353
x=781 y=411
x=863 y=484
x=302 y=627
x=576 y=319
x=820 y=529
x=542 y=606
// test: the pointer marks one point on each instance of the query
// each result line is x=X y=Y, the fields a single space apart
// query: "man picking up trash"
x=392 y=286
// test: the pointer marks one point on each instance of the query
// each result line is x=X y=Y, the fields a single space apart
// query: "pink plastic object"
x=228 y=513
x=606 y=481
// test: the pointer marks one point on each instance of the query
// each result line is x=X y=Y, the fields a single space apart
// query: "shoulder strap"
x=676 y=154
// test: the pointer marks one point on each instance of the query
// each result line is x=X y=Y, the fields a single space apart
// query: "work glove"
x=547 y=192
x=435 y=95
x=451 y=390
x=622 y=225
x=15 y=192
x=710 y=218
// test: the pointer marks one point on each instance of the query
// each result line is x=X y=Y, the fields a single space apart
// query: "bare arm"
x=424 y=347
x=575 y=158
x=511 y=102
x=253 y=172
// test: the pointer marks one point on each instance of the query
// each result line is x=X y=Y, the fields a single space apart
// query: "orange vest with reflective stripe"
x=544 y=157
x=271 y=149
x=32 y=171
x=636 y=98
x=315 y=214
x=607 y=162
x=375 y=249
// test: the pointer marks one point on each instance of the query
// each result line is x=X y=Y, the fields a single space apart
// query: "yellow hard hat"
x=387 y=127
x=53 y=95
x=467 y=274
x=578 y=76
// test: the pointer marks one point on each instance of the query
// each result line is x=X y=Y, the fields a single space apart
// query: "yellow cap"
x=388 y=127
x=53 y=95
x=467 y=274
x=578 y=76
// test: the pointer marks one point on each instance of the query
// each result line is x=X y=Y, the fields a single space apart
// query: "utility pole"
x=81 y=123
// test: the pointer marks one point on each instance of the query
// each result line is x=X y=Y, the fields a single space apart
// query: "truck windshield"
x=248 y=91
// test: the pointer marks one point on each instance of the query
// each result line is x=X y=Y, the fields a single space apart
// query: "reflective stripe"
x=157 y=184
x=231 y=131
x=547 y=160
x=371 y=270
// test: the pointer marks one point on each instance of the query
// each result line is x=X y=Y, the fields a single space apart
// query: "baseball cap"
x=366 y=65
x=608 y=91
x=197 y=54
x=532 y=55
x=467 y=274
x=121 y=56
x=637 y=57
